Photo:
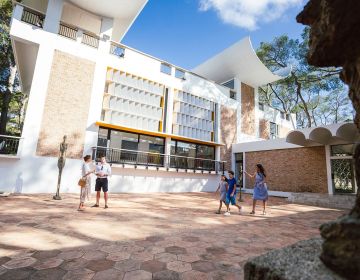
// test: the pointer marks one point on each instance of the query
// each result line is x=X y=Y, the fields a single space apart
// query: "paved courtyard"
x=143 y=236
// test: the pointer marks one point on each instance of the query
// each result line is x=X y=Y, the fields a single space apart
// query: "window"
x=288 y=117
x=261 y=106
x=233 y=94
x=342 y=150
x=179 y=74
x=282 y=115
x=165 y=68
x=273 y=130
x=103 y=137
x=229 y=84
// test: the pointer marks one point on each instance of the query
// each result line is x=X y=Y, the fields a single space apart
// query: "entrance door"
x=239 y=169
x=342 y=169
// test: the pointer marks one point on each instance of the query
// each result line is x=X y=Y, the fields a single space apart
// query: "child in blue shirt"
x=231 y=194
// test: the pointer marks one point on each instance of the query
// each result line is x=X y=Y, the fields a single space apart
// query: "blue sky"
x=187 y=32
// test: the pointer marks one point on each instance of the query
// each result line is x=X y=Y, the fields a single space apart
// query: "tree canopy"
x=316 y=95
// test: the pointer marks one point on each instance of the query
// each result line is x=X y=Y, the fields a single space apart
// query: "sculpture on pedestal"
x=335 y=41
x=61 y=165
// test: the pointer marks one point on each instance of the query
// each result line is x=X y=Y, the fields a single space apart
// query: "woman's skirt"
x=260 y=192
x=85 y=191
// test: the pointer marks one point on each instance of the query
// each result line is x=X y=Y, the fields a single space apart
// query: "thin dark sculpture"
x=334 y=41
x=61 y=165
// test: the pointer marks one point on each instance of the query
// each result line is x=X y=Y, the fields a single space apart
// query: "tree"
x=10 y=96
x=307 y=91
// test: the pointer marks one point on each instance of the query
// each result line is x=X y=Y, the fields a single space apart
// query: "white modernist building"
x=162 y=127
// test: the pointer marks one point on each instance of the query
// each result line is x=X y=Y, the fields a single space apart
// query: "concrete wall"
x=291 y=170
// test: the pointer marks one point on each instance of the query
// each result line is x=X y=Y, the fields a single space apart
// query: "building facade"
x=162 y=127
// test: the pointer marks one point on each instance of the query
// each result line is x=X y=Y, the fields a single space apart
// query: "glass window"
x=151 y=144
x=186 y=149
x=342 y=150
x=165 y=68
x=238 y=156
x=273 y=130
x=103 y=137
x=282 y=115
x=179 y=74
x=206 y=152
x=230 y=84
x=233 y=94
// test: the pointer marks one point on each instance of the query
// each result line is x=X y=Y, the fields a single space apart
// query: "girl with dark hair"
x=260 y=188
x=86 y=173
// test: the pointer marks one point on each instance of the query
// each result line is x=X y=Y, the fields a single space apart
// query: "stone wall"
x=248 y=110
x=291 y=170
x=227 y=134
x=264 y=127
x=66 y=105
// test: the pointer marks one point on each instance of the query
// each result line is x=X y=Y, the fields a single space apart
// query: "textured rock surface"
x=298 y=261
x=334 y=41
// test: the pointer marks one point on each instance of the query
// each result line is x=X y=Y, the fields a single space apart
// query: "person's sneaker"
x=106 y=207
x=227 y=214
x=95 y=205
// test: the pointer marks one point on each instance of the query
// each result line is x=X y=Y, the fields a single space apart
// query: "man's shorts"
x=101 y=183
x=230 y=199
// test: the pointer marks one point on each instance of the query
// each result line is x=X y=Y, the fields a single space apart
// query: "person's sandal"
x=252 y=212
x=217 y=212
x=95 y=205
x=106 y=207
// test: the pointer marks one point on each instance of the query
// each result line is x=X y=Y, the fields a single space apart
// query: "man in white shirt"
x=102 y=171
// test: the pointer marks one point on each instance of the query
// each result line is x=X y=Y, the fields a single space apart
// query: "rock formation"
x=335 y=41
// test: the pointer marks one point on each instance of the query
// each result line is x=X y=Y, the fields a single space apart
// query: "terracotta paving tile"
x=175 y=250
x=46 y=254
x=48 y=274
x=178 y=266
x=19 y=263
x=127 y=265
x=153 y=266
x=109 y=274
x=203 y=266
x=137 y=275
x=94 y=255
x=79 y=274
x=74 y=264
x=130 y=240
x=166 y=257
x=99 y=265
x=193 y=274
x=21 y=273
x=48 y=263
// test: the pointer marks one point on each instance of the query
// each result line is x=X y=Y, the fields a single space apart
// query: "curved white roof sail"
x=124 y=12
x=239 y=60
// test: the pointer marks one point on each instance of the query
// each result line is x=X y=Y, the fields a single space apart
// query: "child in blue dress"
x=260 y=188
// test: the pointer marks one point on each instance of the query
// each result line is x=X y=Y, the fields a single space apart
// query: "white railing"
x=9 y=144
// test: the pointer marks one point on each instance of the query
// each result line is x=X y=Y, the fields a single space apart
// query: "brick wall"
x=291 y=170
x=264 y=128
x=66 y=105
x=247 y=109
x=227 y=134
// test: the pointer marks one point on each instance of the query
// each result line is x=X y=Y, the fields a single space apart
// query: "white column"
x=53 y=15
x=169 y=111
x=37 y=96
x=106 y=34
x=167 y=151
x=217 y=130
x=328 y=169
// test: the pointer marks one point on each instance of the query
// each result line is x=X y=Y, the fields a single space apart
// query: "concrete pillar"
x=167 y=151
x=328 y=169
x=105 y=35
x=53 y=15
x=169 y=111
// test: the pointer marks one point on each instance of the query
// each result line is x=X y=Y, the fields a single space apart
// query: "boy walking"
x=231 y=194
x=102 y=171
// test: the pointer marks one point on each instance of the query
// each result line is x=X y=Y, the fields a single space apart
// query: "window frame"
x=162 y=69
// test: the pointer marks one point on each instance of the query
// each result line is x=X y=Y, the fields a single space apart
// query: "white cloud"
x=248 y=13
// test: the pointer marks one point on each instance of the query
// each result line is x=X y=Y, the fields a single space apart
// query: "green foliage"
x=308 y=91
x=11 y=99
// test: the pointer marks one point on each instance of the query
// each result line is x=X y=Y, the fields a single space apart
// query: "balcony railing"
x=68 y=31
x=90 y=39
x=117 y=49
x=33 y=17
x=9 y=145
x=147 y=159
